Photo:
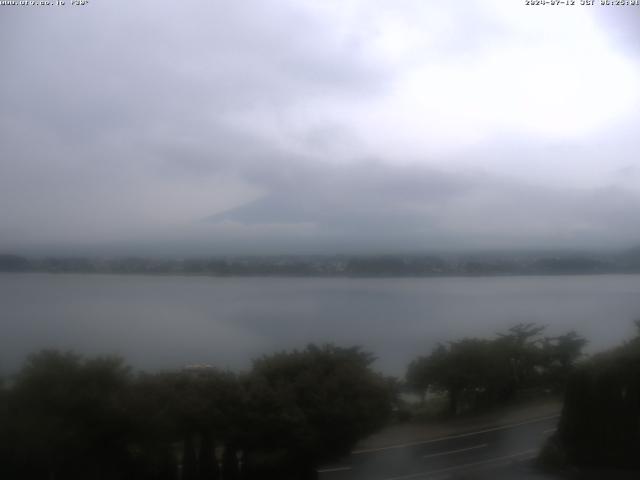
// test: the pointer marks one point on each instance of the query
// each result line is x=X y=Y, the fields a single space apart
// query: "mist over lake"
x=160 y=322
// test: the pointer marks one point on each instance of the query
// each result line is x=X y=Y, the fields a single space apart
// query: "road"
x=503 y=452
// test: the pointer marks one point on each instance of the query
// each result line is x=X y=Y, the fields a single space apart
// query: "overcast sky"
x=210 y=127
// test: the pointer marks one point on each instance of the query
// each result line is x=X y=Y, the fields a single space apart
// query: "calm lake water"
x=168 y=321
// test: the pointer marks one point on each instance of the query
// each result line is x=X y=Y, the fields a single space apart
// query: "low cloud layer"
x=275 y=127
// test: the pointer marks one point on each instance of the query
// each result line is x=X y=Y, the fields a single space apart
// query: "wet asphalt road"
x=504 y=452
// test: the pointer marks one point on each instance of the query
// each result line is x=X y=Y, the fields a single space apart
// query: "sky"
x=336 y=126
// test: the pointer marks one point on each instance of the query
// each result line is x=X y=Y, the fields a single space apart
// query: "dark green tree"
x=311 y=406
x=559 y=357
x=600 y=422
x=183 y=416
x=67 y=417
x=478 y=373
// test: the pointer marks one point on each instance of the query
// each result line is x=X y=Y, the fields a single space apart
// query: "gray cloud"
x=417 y=208
x=622 y=26
x=273 y=127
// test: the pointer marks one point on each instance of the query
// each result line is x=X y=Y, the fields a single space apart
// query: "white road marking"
x=451 y=452
x=336 y=469
x=451 y=437
x=466 y=465
x=550 y=430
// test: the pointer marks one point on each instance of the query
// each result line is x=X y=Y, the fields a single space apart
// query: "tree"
x=310 y=406
x=6 y=441
x=476 y=373
x=67 y=417
x=521 y=345
x=182 y=417
x=560 y=355
x=600 y=424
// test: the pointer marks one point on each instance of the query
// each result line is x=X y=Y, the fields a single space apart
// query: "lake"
x=169 y=321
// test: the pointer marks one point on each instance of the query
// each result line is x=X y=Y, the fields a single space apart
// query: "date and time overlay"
x=44 y=3
x=559 y=3
x=584 y=3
